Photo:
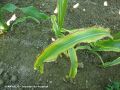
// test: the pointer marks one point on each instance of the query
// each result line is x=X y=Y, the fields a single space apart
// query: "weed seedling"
x=29 y=12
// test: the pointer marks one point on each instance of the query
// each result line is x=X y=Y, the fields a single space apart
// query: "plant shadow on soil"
x=19 y=48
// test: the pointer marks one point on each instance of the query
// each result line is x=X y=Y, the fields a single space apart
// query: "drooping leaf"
x=112 y=63
x=74 y=62
x=22 y=19
x=34 y=12
x=107 y=45
x=9 y=7
x=86 y=35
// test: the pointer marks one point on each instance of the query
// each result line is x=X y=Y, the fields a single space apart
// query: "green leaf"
x=86 y=35
x=83 y=47
x=107 y=45
x=9 y=7
x=113 y=86
x=34 y=12
x=112 y=63
x=62 y=7
x=55 y=27
x=74 y=62
x=22 y=19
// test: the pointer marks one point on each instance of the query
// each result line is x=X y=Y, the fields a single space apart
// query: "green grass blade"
x=74 y=63
x=112 y=63
x=9 y=7
x=87 y=35
x=107 y=45
x=34 y=12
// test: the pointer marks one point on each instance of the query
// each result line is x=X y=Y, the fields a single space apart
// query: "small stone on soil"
x=80 y=65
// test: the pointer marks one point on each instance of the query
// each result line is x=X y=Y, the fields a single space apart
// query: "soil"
x=19 y=48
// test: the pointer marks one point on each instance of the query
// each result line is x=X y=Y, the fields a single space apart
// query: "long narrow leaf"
x=22 y=19
x=62 y=7
x=74 y=62
x=107 y=45
x=87 y=35
x=114 y=62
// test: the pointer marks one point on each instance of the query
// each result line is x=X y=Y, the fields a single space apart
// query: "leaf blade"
x=9 y=7
x=74 y=63
x=86 y=35
x=34 y=12
x=107 y=45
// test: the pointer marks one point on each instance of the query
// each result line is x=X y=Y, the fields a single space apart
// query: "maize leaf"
x=34 y=12
x=107 y=45
x=87 y=35
x=9 y=7
x=112 y=63
x=74 y=62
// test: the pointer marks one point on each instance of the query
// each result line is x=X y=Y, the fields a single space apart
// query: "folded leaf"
x=87 y=35
x=34 y=12
x=107 y=45
x=112 y=63
x=74 y=62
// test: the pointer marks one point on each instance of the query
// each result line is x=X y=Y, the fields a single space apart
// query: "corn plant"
x=29 y=12
x=66 y=43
